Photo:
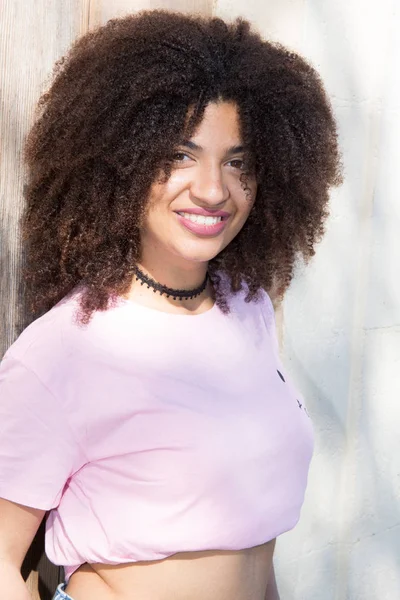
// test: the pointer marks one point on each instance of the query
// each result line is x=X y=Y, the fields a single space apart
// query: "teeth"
x=202 y=220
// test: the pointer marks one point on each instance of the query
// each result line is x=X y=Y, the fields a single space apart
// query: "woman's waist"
x=203 y=575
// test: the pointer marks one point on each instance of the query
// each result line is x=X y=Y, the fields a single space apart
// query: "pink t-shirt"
x=148 y=433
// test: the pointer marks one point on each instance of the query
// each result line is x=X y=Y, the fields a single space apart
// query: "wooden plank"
x=33 y=35
x=203 y=7
x=102 y=10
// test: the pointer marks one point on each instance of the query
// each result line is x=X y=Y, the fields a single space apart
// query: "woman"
x=178 y=168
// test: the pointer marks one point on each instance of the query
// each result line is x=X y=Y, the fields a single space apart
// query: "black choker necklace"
x=169 y=292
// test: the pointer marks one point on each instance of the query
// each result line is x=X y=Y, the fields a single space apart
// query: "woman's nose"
x=208 y=186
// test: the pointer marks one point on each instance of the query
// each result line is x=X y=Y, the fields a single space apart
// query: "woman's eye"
x=179 y=156
x=237 y=163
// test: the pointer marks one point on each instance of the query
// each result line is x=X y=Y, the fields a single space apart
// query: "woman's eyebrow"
x=192 y=146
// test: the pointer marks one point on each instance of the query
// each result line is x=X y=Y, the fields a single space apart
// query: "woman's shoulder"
x=260 y=309
x=43 y=340
x=263 y=299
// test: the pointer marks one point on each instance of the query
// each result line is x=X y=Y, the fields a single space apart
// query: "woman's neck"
x=175 y=277
x=173 y=272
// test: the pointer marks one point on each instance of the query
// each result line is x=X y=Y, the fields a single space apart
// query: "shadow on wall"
x=348 y=373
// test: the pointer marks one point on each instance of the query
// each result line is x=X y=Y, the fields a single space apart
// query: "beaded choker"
x=169 y=292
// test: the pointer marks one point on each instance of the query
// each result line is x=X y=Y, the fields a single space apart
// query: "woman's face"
x=202 y=206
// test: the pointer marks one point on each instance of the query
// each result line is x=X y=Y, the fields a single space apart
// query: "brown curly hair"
x=116 y=109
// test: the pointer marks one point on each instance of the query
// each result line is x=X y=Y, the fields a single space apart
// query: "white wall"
x=341 y=321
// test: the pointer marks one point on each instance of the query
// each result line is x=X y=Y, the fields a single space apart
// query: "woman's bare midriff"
x=204 y=575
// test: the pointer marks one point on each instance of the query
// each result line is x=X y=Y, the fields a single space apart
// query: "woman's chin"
x=200 y=255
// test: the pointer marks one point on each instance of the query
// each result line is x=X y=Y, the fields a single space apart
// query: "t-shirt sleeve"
x=38 y=452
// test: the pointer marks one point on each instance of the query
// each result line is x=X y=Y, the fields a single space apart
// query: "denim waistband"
x=60 y=594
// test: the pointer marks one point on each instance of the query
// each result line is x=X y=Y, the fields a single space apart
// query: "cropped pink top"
x=148 y=433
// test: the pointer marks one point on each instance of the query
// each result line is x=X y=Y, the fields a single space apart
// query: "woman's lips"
x=204 y=212
x=202 y=229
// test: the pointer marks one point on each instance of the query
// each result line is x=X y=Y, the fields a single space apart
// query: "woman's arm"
x=272 y=591
x=18 y=526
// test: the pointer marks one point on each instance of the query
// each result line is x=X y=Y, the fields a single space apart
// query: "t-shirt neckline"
x=136 y=305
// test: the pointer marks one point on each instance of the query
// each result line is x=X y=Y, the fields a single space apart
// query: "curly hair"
x=116 y=109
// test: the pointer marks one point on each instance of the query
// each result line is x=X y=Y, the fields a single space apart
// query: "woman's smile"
x=203 y=222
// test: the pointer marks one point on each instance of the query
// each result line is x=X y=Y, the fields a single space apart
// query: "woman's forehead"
x=220 y=125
